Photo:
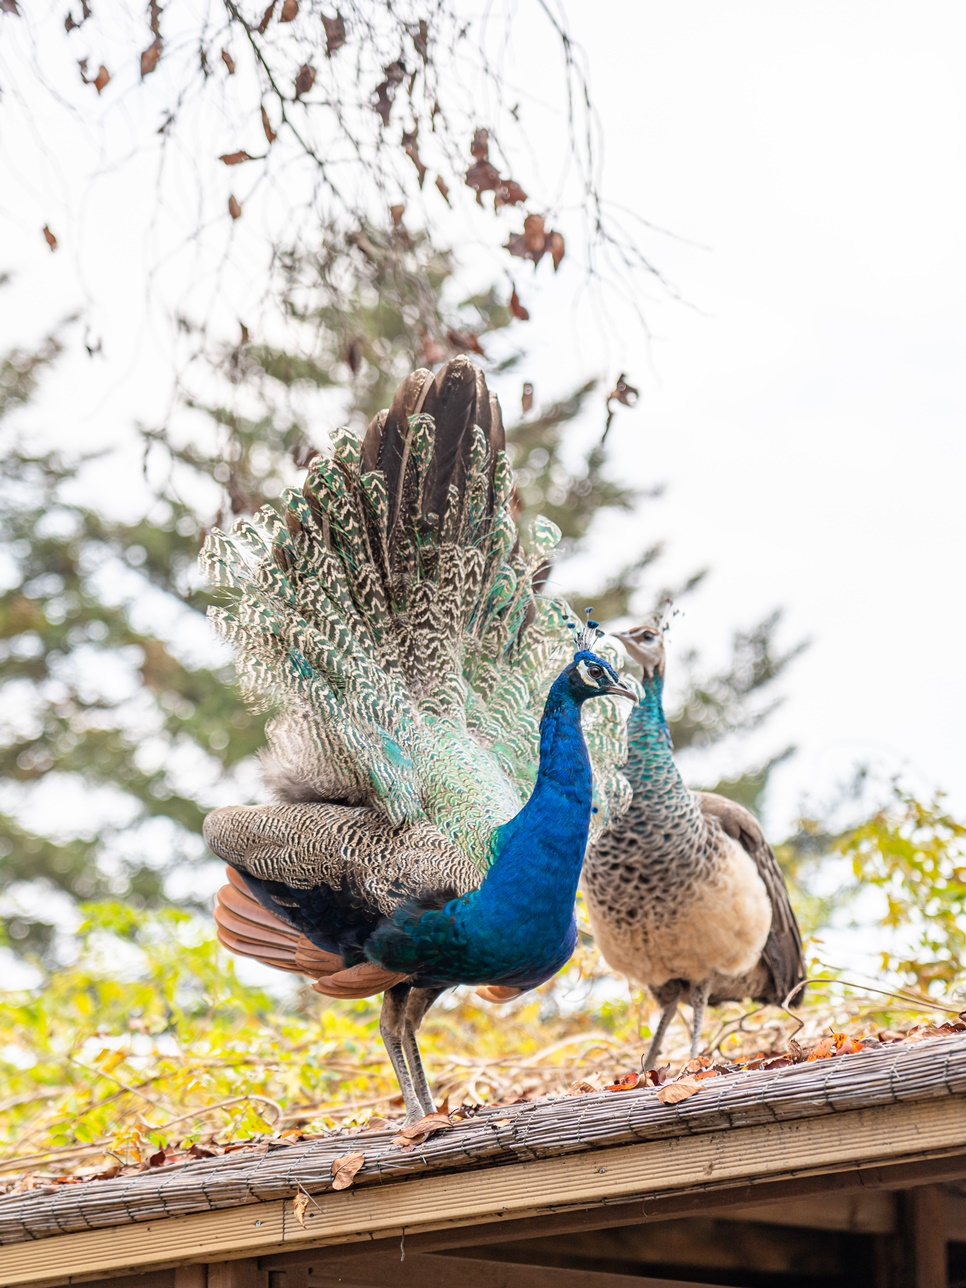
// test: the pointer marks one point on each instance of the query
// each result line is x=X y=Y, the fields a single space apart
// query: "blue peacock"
x=429 y=823
x=683 y=891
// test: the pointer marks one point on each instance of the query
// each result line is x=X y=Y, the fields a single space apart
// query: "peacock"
x=428 y=824
x=683 y=891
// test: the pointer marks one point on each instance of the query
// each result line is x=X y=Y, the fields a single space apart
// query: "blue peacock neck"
x=525 y=905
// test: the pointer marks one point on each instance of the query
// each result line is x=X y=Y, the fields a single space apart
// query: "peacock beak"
x=619 y=691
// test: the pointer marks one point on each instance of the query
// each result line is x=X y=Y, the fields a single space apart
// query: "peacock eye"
x=596 y=671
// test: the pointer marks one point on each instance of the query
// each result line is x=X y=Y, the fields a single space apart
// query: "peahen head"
x=645 y=646
x=589 y=676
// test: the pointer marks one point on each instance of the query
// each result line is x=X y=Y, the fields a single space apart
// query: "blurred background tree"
x=127 y=728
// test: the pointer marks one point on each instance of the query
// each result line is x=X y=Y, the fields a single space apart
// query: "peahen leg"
x=420 y=1000
x=699 y=1000
x=392 y=1027
x=654 y=1050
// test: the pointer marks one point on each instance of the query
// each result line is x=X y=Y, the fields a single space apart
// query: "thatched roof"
x=908 y=1086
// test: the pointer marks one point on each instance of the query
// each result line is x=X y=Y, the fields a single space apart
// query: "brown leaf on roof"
x=344 y=1170
x=415 y=1133
x=672 y=1093
x=299 y=1204
x=581 y=1088
x=627 y=1082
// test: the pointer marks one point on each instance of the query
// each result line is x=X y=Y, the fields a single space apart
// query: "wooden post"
x=921 y=1249
x=243 y=1273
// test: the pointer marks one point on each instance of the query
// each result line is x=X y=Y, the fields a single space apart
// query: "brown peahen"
x=683 y=891
x=429 y=825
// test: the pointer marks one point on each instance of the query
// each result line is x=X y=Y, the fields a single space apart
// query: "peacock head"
x=589 y=676
x=645 y=646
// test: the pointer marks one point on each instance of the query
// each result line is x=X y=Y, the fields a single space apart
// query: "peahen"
x=389 y=620
x=683 y=891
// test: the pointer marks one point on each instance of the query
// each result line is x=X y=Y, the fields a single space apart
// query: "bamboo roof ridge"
x=890 y=1074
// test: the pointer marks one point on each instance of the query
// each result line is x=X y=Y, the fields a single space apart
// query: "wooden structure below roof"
x=849 y=1171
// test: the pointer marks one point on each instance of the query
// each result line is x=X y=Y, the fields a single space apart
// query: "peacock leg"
x=392 y=1027
x=699 y=1000
x=420 y=1000
x=654 y=1050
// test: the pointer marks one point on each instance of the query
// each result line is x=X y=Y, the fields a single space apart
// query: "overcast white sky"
x=805 y=406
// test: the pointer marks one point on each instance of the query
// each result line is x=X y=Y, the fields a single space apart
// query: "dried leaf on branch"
x=517 y=309
x=290 y=11
x=150 y=57
x=49 y=237
x=334 y=33
x=234 y=207
x=304 y=80
x=229 y=62
x=267 y=127
x=235 y=158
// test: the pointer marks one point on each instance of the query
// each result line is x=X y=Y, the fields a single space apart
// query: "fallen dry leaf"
x=416 y=1133
x=581 y=1088
x=376 y=1123
x=627 y=1082
x=344 y=1170
x=299 y=1204
x=672 y=1093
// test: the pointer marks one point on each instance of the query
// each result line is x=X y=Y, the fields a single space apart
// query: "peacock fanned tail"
x=385 y=614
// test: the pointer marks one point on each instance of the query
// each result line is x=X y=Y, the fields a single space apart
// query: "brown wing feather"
x=783 y=954
x=247 y=928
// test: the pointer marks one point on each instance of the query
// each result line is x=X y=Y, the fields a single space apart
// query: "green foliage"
x=914 y=852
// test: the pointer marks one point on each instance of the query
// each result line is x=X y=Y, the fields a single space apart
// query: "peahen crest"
x=385 y=613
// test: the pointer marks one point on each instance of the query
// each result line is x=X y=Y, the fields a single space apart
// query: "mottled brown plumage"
x=684 y=893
